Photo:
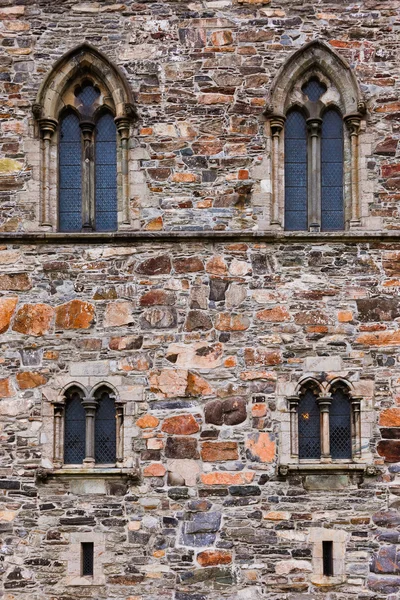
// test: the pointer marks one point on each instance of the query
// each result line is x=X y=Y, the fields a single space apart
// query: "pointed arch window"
x=314 y=95
x=84 y=111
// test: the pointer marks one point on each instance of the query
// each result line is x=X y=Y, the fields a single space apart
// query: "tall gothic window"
x=87 y=165
x=84 y=111
x=314 y=164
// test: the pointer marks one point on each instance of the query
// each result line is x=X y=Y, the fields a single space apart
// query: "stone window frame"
x=55 y=95
x=339 y=538
x=90 y=403
x=323 y=393
x=316 y=60
x=73 y=558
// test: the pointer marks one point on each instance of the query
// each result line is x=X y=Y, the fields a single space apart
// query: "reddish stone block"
x=260 y=447
x=130 y=342
x=185 y=178
x=383 y=338
x=215 y=99
x=231 y=411
x=154 y=224
x=207 y=145
x=154 y=470
x=147 y=422
x=158 y=265
x=390 y=450
x=229 y=322
x=17 y=282
x=278 y=314
x=33 y=319
x=311 y=317
x=157 y=297
x=6 y=388
x=216 y=266
x=180 y=425
x=219 y=451
x=7 y=307
x=198 y=320
x=178 y=447
x=197 y=386
x=191 y=264
x=390 y=417
x=261 y=357
x=76 y=314
x=28 y=379
x=226 y=478
x=208 y=558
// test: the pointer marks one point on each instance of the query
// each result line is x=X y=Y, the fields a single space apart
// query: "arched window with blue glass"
x=84 y=113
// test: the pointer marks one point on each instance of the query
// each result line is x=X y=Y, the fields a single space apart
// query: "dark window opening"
x=309 y=426
x=87 y=558
x=105 y=429
x=75 y=427
x=340 y=425
x=327 y=557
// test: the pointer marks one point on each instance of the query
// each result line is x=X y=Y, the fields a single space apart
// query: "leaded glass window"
x=70 y=171
x=332 y=214
x=295 y=172
x=106 y=173
x=105 y=429
x=309 y=426
x=340 y=425
x=74 y=429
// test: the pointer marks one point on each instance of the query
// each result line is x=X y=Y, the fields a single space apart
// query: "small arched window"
x=75 y=427
x=105 y=428
x=309 y=425
x=340 y=424
x=296 y=171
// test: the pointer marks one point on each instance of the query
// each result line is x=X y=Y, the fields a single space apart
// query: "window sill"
x=334 y=468
x=132 y=475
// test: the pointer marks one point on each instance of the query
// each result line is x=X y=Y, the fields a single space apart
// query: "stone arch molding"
x=56 y=94
x=316 y=59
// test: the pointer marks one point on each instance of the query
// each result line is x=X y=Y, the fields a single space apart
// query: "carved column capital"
x=123 y=124
x=277 y=122
x=90 y=405
x=293 y=401
x=314 y=126
x=47 y=127
x=353 y=123
x=324 y=403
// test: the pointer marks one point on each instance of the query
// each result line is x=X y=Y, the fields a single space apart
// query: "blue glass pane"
x=314 y=89
x=340 y=425
x=88 y=94
x=332 y=209
x=70 y=191
x=309 y=426
x=105 y=430
x=74 y=430
x=106 y=174
x=295 y=172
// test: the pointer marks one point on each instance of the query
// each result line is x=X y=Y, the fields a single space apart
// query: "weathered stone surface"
x=157 y=297
x=159 y=265
x=188 y=265
x=33 y=319
x=224 y=478
x=30 y=379
x=76 y=314
x=6 y=388
x=208 y=558
x=7 y=307
x=147 y=422
x=261 y=357
x=16 y=282
x=229 y=322
x=219 y=451
x=278 y=314
x=218 y=289
x=231 y=411
x=200 y=355
x=389 y=449
x=117 y=314
x=181 y=447
x=130 y=342
x=260 y=447
x=154 y=470
x=158 y=317
x=180 y=425
x=390 y=417
x=197 y=320
x=378 y=309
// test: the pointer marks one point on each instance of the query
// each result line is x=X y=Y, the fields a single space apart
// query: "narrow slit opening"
x=87 y=562
x=327 y=555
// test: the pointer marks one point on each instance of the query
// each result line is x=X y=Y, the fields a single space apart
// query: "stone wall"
x=202 y=336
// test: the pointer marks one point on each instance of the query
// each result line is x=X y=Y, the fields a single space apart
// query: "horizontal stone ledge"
x=324 y=468
x=94 y=473
x=288 y=237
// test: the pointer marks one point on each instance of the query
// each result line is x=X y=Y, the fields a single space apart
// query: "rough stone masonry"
x=202 y=315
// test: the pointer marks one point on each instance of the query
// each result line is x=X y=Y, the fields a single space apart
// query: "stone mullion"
x=353 y=125
x=58 y=449
x=314 y=174
x=294 y=425
x=122 y=124
x=120 y=432
x=90 y=406
x=88 y=176
x=47 y=129
x=356 y=425
x=324 y=403
x=276 y=123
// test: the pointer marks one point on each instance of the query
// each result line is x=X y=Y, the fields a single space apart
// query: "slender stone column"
x=294 y=425
x=276 y=123
x=47 y=129
x=122 y=124
x=120 y=435
x=314 y=174
x=356 y=425
x=324 y=403
x=88 y=186
x=58 y=450
x=90 y=406
x=353 y=122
